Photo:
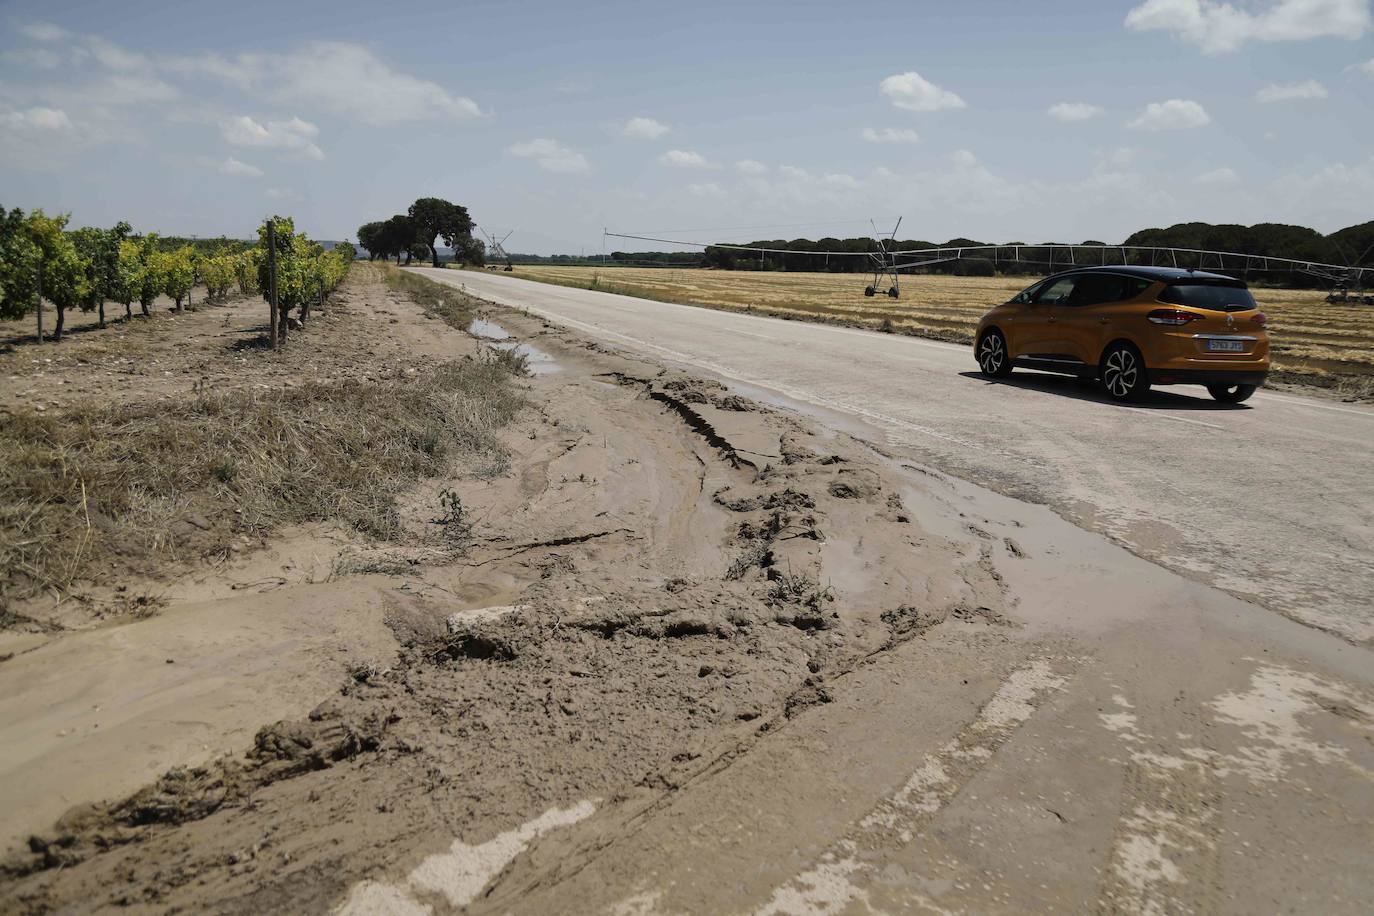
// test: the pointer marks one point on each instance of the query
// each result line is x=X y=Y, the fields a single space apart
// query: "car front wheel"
x=1230 y=394
x=1123 y=373
x=993 y=358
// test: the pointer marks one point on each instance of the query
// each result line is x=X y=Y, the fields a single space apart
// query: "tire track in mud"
x=838 y=878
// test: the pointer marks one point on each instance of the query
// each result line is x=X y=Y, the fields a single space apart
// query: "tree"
x=100 y=249
x=398 y=236
x=246 y=266
x=433 y=217
x=472 y=252
x=125 y=288
x=63 y=271
x=298 y=270
x=178 y=272
x=20 y=261
x=370 y=236
x=148 y=280
x=218 y=272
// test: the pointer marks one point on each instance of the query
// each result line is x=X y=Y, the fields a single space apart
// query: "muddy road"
x=1272 y=500
x=703 y=653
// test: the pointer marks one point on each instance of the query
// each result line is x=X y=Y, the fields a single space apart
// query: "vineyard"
x=1329 y=344
x=44 y=265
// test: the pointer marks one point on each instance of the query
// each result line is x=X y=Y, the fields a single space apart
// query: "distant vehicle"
x=1130 y=328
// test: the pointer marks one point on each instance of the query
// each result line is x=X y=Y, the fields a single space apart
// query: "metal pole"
x=40 y=298
x=272 y=279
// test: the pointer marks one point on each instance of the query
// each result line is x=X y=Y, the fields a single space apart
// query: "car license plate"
x=1226 y=346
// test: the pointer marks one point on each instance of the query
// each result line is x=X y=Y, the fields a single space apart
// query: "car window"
x=1220 y=297
x=1027 y=294
x=1056 y=291
x=1095 y=289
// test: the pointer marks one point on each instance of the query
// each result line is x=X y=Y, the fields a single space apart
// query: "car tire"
x=869 y=291
x=992 y=354
x=1230 y=394
x=1123 y=373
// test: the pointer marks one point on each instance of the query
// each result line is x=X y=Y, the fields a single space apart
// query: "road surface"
x=1271 y=500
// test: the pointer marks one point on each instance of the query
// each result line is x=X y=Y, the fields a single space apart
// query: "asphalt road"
x=1271 y=500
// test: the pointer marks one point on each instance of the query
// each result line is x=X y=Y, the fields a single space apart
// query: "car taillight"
x=1172 y=316
x=1260 y=319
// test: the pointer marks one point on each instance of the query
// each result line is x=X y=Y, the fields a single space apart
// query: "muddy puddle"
x=538 y=361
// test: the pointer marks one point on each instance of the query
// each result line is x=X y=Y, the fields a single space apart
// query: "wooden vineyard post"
x=272 y=279
x=40 y=300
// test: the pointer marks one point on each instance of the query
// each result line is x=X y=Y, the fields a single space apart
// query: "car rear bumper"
x=1208 y=377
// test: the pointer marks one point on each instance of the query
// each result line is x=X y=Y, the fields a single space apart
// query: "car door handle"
x=1103 y=320
x=1051 y=319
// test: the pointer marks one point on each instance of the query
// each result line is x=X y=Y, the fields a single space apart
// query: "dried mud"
x=680 y=571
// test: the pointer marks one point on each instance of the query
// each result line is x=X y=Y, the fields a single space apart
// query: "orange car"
x=1130 y=328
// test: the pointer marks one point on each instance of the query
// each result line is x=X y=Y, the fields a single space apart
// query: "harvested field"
x=1314 y=341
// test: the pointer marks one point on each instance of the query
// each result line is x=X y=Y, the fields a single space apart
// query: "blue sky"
x=998 y=121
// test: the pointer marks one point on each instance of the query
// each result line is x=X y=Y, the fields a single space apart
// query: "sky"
x=999 y=121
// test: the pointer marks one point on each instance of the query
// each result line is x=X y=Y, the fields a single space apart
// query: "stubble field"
x=1328 y=344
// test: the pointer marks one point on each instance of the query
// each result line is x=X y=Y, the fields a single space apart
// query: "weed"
x=799 y=589
x=225 y=470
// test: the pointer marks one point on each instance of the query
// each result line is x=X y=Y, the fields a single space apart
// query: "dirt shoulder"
x=688 y=634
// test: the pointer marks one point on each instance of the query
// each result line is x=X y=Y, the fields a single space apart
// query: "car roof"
x=1160 y=274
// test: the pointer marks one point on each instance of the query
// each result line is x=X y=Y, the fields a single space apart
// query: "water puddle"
x=487 y=330
x=536 y=360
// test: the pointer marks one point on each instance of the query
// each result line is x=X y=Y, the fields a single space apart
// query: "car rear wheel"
x=1123 y=373
x=993 y=358
x=1230 y=394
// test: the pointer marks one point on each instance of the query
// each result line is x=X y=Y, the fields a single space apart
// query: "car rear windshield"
x=1215 y=296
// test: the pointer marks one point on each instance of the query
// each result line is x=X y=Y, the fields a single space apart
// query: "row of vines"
x=41 y=260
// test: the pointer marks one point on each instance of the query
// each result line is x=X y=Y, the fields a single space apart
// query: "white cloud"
x=36 y=119
x=1117 y=158
x=707 y=189
x=551 y=156
x=913 y=92
x=685 y=159
x=1221 y=176
x=1074 y=111
x=41 y=58
x=111 y=55
x=129 y=89
x=792 y=173
x=282 y=194
x=350 y=80
x=750 y=167
x=963 y=159
x=43 y=31
x=1217 y=27
x=341 y=77
x=1367 y=68
x=232 y=166
x=891 y=135
x=1311 y=89
x=1175 y=114
x=293 y=136
x=644 y=128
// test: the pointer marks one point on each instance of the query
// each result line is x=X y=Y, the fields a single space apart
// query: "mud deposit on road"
x=668 y=573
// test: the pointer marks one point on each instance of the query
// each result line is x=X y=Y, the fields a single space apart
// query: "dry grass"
x=101 y=492
x=1324 y=343
x=447 y=302
x=111 y=491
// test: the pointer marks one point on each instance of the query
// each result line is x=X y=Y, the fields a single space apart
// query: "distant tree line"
x=416 y=234
x=1352 y=246
x=621 y=258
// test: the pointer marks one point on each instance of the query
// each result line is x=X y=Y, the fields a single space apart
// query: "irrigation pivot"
x=884 y=263
x=1348 y=283
x=498 y=247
